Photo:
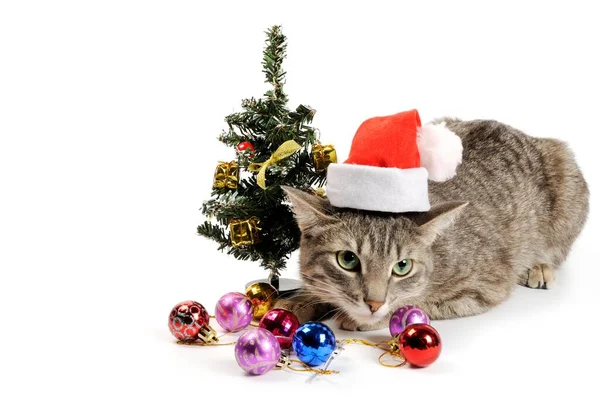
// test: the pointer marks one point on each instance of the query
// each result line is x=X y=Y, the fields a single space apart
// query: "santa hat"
x=390 y=161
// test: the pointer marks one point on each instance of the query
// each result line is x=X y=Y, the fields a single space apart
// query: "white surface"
x=109 y=113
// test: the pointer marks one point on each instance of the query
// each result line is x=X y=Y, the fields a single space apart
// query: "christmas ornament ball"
x=282 y=323
x=257 y=351
x=234 y=312
x=313 y=343
x=406 y=315
x=246 y=147
x=262 y=295
x=186 y=320
x=420 y=344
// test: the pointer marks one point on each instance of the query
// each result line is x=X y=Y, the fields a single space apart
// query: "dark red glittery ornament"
x=282 y=323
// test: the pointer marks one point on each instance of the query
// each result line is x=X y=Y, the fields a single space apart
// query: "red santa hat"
x=390 y=161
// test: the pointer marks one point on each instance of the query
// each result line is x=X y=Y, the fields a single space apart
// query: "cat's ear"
x=433 y=223
x=310 y=210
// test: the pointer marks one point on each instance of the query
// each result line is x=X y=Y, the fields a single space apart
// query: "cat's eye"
x=402 y=268
x=348 y=260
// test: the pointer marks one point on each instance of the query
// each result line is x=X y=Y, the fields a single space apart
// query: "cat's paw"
x=306 y=308
x=541 y=276
x=372 y=326
x=300 y=308
x=383 y=323
x=346 y=323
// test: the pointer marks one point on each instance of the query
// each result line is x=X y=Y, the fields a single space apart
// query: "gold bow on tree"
x=285 y=150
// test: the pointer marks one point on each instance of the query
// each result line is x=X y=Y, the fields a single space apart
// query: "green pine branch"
x=273 y=56
x=215 y=233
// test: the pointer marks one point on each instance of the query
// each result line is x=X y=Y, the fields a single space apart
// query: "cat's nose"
x=375 y=305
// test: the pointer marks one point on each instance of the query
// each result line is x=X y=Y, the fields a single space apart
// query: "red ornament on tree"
x=247 y=148
x=282 y=324
x=420 y=344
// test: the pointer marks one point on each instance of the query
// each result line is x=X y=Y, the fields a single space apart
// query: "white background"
x=109 y=113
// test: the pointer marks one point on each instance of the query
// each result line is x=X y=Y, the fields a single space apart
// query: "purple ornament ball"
x=234 y=312
x=407 y=315
x=257 y=351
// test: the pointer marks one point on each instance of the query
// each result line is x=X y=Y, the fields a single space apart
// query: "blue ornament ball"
x=313 y=343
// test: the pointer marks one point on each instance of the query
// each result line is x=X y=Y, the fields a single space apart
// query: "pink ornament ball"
x=234 y=312
x=257 y=351
x=407 y=315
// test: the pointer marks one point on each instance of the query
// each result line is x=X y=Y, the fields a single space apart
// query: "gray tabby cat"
x=509 y=217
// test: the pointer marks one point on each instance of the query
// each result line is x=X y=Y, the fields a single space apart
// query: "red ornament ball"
x=420 y=344
x=282 y=323
x=246 y=147
x=187 y=319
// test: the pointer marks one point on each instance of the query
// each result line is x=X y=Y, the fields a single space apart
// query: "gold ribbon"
x=285 y=150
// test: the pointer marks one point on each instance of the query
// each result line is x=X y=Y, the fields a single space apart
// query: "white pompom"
x=440 y=150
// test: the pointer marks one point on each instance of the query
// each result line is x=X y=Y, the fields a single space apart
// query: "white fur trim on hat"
x=377 y=188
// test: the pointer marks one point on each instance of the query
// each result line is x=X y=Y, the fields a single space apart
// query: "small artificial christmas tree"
x=274 y=146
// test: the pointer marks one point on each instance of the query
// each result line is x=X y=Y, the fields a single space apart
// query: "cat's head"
x=367 y=263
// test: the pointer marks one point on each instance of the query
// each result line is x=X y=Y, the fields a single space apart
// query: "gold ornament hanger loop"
x=211 y=340
x=393 y=355
x=200 y=343
x=390 y=347
x=307 y=368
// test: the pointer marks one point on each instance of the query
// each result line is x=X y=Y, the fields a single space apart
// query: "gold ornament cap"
x=208 y=335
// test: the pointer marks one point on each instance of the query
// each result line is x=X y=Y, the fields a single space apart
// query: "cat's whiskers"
x=304 y=296
x=330 y=286
x=333 y=294
x=323 y=289
x=305 y=293
x=313 y=303
x=327 y=292
x=322 y=317
x=340 y=312
x=327 y=297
